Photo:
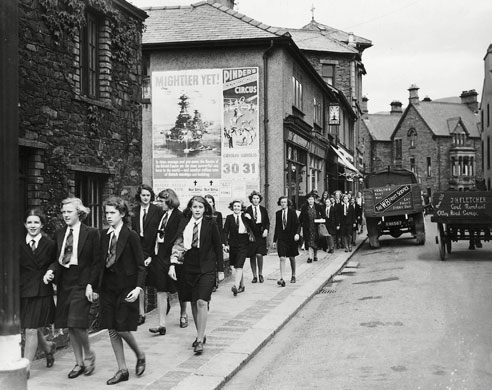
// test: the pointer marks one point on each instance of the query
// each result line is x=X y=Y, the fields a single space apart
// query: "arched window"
x=412 y=135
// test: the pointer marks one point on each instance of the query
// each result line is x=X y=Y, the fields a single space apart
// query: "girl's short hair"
x=250 y=197
x=208 y=196
x=120 y=205
x=312 y=195
x=144 y=187
x=38 y=212
x=170 y=198
x=231 y=205
x=198 y=198
x=82 y=211
x=289 y=202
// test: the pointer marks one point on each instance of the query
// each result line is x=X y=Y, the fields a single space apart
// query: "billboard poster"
x=205 y=133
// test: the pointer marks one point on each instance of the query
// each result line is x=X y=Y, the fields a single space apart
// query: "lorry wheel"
x=372 y=232
x=419 y=228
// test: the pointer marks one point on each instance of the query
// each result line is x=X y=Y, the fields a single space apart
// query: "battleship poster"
x=205 y=132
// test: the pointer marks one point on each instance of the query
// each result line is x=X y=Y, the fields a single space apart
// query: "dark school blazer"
x=210 y=251
x=150 y=227
x=292 y=228
x=33 y=266
x=217 y=217
x=347 y=221
x=88 y=255
x=331 y=220
x=172 y=230
x=231 y=235
x=265 y=221
x=304 y=218
x=129 y=266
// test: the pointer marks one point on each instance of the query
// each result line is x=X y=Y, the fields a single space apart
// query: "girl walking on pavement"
x=217 y=217
x=37 y=308
x=310 y=212
x=75 y=273
x=199 y=248
x=286 y=236
x=236 y=231
x=122 y=281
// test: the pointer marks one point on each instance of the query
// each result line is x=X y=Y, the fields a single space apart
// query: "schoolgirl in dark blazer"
x=37 y=307
x=75 y=272
x=330 y=215
x=145 y=221
x=286 y=236
x=122 y=280
x=347 y=221
x=158 y=270
x=260 y=227
x=199 y=248
x=237 y=229
x=217 y=217
x=309 y=213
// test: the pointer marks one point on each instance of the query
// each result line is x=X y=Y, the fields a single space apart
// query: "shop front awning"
x=345 y=162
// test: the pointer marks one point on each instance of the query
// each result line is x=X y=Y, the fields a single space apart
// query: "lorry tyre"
x=419 y=228
x=372 y=232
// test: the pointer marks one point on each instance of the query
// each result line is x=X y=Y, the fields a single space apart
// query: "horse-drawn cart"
x=462 y=216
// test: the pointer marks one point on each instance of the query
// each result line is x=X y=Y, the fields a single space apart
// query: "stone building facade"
x=485 y=119
x=80 y=102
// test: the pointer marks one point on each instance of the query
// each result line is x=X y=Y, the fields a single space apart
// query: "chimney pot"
x=396 y=108
x=413 y=97
x=365 y=111
x=469 y=98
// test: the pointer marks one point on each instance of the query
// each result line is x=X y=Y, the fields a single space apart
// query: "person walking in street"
x=236 y=229
x=37 y=307
x=75 y=273
x=338 y=203
x=199 y=248
x=359 y=199
x=122 y=281
x=217 y=217
x=260 y=227
x=158 y=270
x=358 y=219
x=347 y=222
x=309 y=213
x=331 y=223
x=145 y=221
x=285 y=237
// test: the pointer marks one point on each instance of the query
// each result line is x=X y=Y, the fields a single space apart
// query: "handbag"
x=322 y=230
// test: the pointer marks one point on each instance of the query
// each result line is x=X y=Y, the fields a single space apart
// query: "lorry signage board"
x=400 y=198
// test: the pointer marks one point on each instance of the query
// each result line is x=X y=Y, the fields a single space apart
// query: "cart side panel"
x=471 y=207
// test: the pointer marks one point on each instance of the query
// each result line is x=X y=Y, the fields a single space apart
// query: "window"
x=488 y=114
x=89 y=188
x=412 y=135
x=328 y=73
x=429 y=167
x=315 y=172
x=488 y=152
x=317 y=112
x=297 y=93
x=89 y=56
x=398 y=149
x=412 y=165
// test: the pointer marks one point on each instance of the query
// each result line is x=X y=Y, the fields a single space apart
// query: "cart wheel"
x=420 y=228
x=448 y=245
x=442 y=242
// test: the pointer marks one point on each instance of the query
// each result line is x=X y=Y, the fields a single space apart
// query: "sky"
x=439 y=45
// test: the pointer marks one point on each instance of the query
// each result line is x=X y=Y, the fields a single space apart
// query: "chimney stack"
x=365 y=111
x=227 y=3
x=469 y=98
x=413 y=97
x=396 y=108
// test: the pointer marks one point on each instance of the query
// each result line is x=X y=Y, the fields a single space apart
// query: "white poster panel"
x=205 y=133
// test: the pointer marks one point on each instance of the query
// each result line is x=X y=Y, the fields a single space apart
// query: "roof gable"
x=203 y=21
x=381 y=126
x=316 y=41
x=339 y=35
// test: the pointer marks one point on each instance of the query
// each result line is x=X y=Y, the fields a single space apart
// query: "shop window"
x=328 y=73
x=89 y=56
x=89 y=188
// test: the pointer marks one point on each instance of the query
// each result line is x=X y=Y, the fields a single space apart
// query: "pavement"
x=238 y=327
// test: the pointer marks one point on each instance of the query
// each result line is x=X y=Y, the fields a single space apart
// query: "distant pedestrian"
x=145 y=222
x=358 y=219
x=286 y=236
x=199 y=248
x=122 y=281
x=236 y=232
x=75 y=273
x=330 y=223
x=310 y=212
x=260 y=226
x=347 y=222
x=359 y=199
x=37 y=307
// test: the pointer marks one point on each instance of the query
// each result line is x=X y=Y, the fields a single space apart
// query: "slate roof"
x=381 y=126
x=203 y=21
x=316 y=41
x=438 y=114
x=336 y=34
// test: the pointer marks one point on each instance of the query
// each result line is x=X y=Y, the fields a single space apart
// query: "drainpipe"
x=265 y=113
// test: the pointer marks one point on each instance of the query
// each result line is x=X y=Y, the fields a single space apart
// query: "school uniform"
x=202 y=259
x=37 y=307
x=309 y=227
x=236 y=236
x=146 y=223
x=286 y=227
x=72 y=277
x=347 y=221
x=123 y=270
x=260 y=219
x=158 y=269
x=331 y=225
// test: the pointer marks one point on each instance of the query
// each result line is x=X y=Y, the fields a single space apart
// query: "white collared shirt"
x=73 y=259
x=142 y=211
x=36 y=239
x=242 y=228
x=258 y=213
x=188 y=232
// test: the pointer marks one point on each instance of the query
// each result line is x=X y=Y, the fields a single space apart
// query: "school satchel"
x=322 y=230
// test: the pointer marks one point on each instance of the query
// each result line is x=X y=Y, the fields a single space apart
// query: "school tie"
x=327 y=212
x=237 y=222
x=67 y=254
x=111 y=258
x=162 y=228
x=255 y=214
x=33 y=245
x=284 y=219
x=345 y=210
x=194 y=241
x=144 y=216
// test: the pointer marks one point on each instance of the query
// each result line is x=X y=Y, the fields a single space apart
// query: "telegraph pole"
x=12 y=366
